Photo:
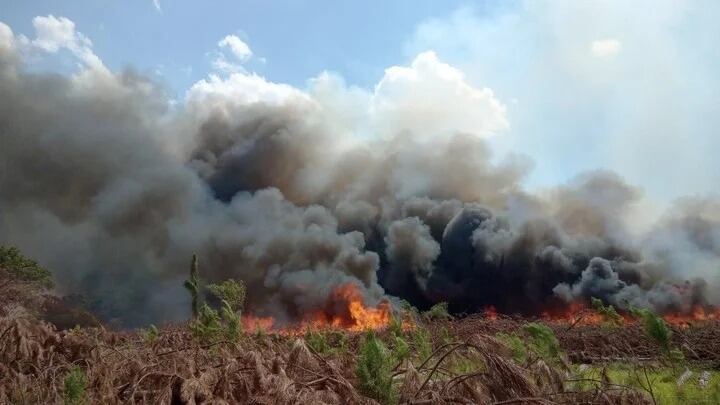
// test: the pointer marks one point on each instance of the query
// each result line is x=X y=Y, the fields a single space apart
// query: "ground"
x=417 y=358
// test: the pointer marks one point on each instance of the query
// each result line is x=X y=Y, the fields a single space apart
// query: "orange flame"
x=698 y=314
x=344 y=309
x=490 y=313
x=579 y=313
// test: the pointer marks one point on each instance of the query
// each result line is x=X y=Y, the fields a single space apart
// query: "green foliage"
x=23 y=268
x=150 y=334
x=232 y=296
x=327 y=340
x=260 y=334
x=396 y=325
x=374 y=370
x=542 y=341
x=408 y=308
x=438 y=312
x=230 y=291
x=655 y=327
x=608 y=312
x=516 y=346
x=421 y=342
x=446 y=336
x=400 y=349
x=664 y=383
x=318 y=341
x=212 y=326
x=74 y=387
x=207 y=327
x=193 y=286
x=231 y=322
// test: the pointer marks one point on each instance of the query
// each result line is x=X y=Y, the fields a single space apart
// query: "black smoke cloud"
x=114 y=188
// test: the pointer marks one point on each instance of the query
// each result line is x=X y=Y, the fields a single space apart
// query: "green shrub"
x=150 y=334
x=74 y=387
x=374 y=370
x=400 y=349
x=23 y=268
x=209 y=324
x=232 y=296
x=608 y=312
x=207 y=327
x=438 y=312
x=421 y=342
x=230 y=291
x=318 y=341
x=542 y=341
x=516 y=346
x=655 y=327
x=231 y=322
x=396 y=325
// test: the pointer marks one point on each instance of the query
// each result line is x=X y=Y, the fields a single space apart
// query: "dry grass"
x=35 y=360
x=458 y=362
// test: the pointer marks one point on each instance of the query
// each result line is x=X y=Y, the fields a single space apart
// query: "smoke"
x=296 y=192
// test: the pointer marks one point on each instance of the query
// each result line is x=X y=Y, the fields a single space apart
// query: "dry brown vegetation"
x=437 y=361
x=261 y=368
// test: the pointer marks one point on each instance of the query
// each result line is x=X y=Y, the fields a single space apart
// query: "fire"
x=490 y=313
x=579 y=313
x=252 y=323
x=697 y=315
x=344 y=309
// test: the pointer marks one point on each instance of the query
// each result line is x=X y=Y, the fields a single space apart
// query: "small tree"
x=656 y=328
x=74 y=386
x=193 y=286
x=374 y=369
x=207 y=326
x=543 y=341
x=231 y=292
x=24 y=268
x=232 y=296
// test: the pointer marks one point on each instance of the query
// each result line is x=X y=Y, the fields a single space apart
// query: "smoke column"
x=295 y=192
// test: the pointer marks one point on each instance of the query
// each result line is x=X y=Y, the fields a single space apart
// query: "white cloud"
x=7 y=41
x=650 y=115
x=218 y=95
x=156 y=3
x=431 y=97
x=222 y=64
x=239 y=49
x=427 y=98
x=605 y=47
x=53 y=33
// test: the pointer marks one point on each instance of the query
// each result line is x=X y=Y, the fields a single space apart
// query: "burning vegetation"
x=353 y=353
x=297 y=201
x=354 y=248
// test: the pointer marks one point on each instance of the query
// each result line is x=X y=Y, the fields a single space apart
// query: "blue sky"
x=628 y=87
x=297 y=38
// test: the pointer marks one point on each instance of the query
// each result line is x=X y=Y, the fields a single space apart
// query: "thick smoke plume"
x=114 y=187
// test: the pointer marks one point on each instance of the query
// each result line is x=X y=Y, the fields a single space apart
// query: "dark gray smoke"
x=114 y=188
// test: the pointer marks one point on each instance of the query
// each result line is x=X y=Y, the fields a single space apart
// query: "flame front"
x=344 y=309
x=579 y=313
